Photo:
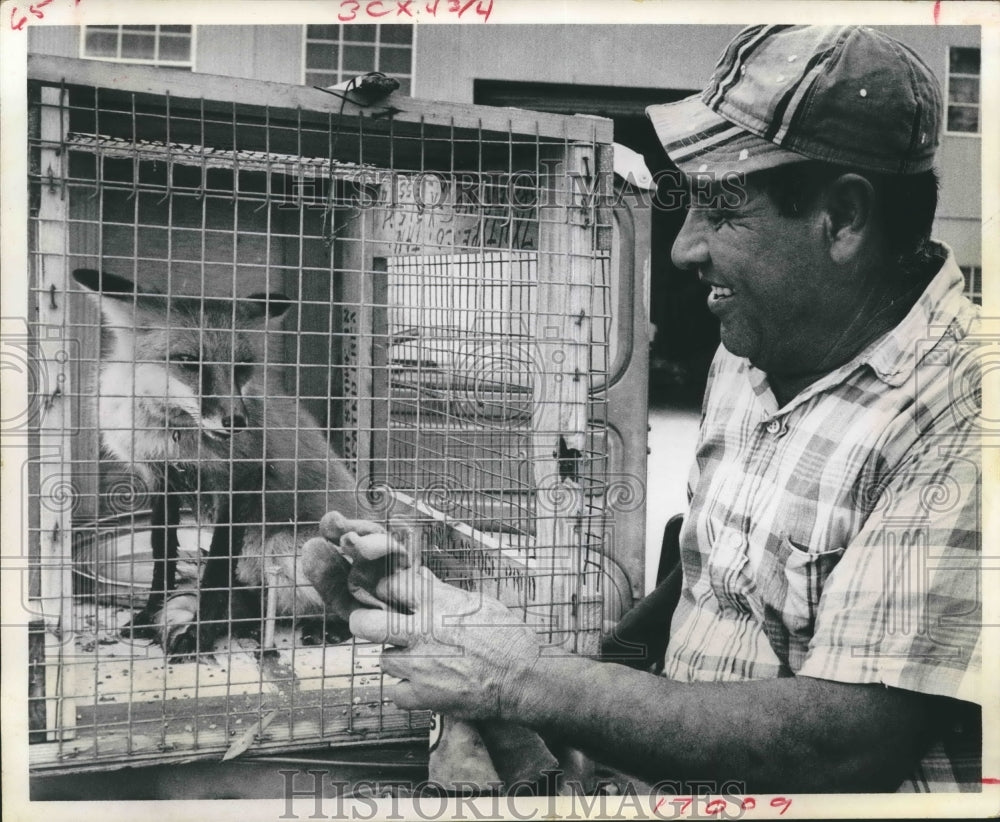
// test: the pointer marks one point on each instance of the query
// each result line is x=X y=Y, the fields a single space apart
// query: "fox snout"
x=234 y=423
x=224 y=416
x=226 y=427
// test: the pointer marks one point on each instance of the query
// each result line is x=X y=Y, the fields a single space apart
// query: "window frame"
x=973 y=276
x=344 y=74
x=948 y=74
x=178 y=64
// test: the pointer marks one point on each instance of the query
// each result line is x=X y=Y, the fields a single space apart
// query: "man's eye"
x=718 y=219
x=715 y=217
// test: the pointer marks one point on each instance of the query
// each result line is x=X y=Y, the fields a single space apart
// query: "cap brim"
x=698 y=140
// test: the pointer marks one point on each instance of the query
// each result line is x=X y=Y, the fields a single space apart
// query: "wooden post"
x=354 y=293
x=564 y=322
x=379 y=457
x=56 y=492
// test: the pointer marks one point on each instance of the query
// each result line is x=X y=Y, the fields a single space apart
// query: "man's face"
x=770 y=278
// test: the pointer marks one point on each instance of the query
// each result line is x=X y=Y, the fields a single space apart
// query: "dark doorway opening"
x=687 y=333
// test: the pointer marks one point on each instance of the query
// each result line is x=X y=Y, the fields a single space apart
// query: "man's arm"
x=464 y=654
x=796 y=734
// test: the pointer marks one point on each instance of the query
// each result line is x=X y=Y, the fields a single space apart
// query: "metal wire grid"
x=418 y=340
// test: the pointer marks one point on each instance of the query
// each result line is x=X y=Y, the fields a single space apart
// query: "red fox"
x=182 y=402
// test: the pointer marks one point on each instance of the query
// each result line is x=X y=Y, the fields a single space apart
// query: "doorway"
x=687 y=333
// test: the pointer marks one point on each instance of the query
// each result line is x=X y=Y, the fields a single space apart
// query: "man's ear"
x=848 y=212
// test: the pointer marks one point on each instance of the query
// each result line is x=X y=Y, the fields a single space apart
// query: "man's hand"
x=347 y=562
x=458 y=652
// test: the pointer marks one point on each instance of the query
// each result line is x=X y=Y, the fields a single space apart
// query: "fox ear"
x=267 y=306
x=109 y=284
x=117 y=296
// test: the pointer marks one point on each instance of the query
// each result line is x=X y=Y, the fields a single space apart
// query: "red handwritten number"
x=781 y=802
x=748 y=804
x=685 y=804
x=715 y=806
x=432 y=8
x=354 y=5
x=19 y=21
x=485 y=12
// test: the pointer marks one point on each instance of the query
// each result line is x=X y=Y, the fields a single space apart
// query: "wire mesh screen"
x=460 y=381
x=258 y=313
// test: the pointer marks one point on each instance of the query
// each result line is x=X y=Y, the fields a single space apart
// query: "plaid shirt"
x=838 y=537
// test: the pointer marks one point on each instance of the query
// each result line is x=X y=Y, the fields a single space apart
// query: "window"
x=963 y=90
x=151 y=45
x=973 y=282
x=338 y=53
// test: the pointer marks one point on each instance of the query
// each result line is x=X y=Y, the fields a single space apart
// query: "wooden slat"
x=132 y=704
x=207 y=157
x=55 y=423
x=353 y=292
x=378 y=344
x=257 y=96
x=561 y=389
x=154 y=740
x=627 y=387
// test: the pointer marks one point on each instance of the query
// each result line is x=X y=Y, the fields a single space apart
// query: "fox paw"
x=182 y=633
x=331 y=632
x=143 y=625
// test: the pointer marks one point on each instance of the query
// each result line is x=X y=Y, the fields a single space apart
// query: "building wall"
x=62 y=41
x=256 y=52
x=448 y=59
x=259 y=52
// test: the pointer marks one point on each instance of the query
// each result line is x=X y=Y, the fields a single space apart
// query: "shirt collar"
x=893 y=356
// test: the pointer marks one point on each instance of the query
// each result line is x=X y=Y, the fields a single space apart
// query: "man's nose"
x=690 y=248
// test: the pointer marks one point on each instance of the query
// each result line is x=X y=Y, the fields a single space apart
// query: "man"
x=827 y=632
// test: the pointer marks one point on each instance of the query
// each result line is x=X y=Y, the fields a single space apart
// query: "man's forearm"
x=795 y=734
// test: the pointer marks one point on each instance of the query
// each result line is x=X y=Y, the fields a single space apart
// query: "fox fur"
x=182 y=402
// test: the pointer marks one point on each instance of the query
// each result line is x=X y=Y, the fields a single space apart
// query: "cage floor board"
x=129 y=701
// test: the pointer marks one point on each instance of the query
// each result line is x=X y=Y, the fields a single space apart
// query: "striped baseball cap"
x=848 y=95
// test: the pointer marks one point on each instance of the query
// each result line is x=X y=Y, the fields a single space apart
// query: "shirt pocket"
x=791 y=580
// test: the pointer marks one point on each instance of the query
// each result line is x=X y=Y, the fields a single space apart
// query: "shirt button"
x=773 y=427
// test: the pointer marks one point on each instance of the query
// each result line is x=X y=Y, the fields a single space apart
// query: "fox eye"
x=243 y=373
x=185 y=361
